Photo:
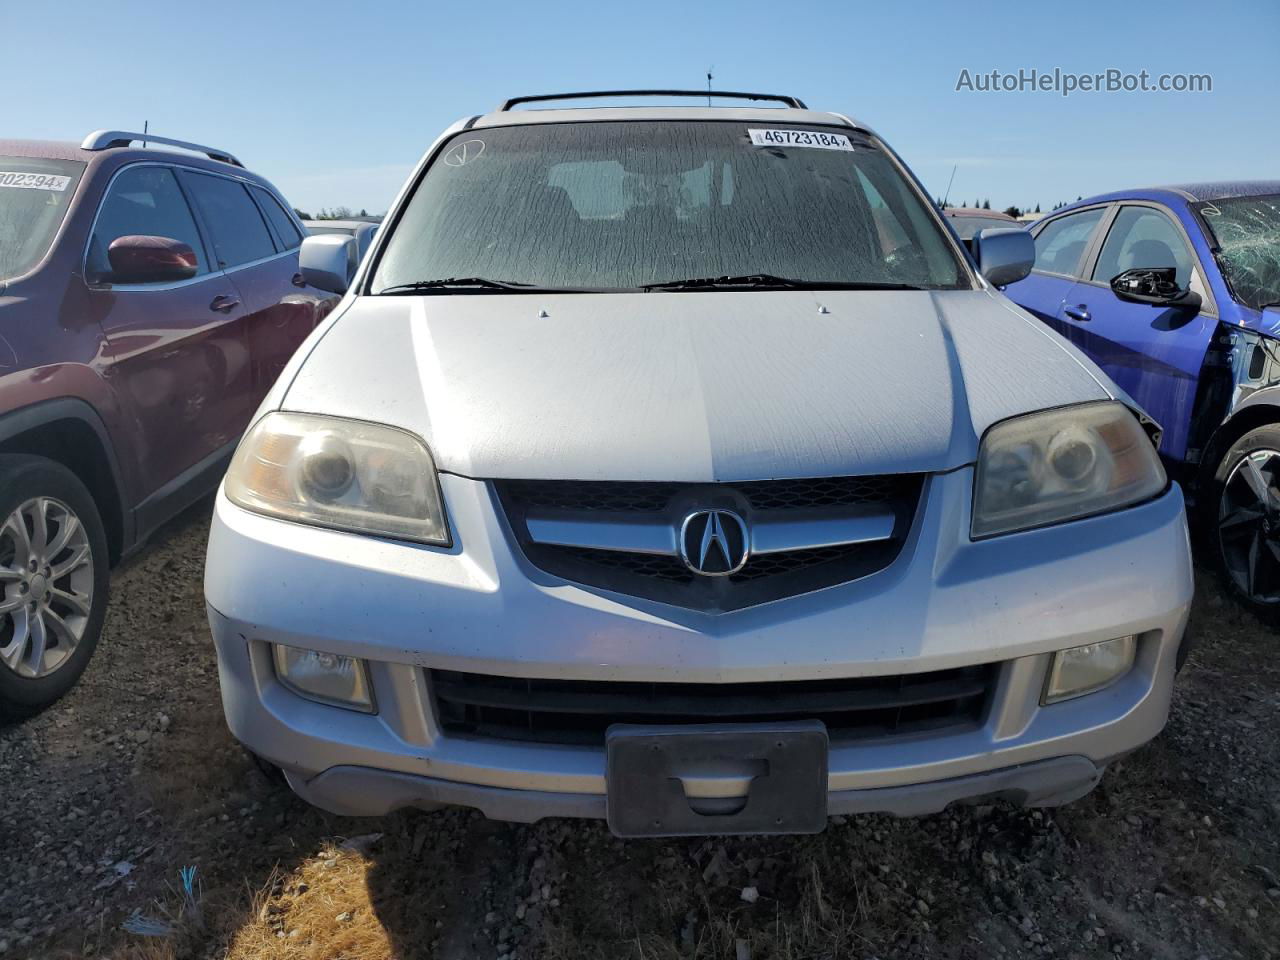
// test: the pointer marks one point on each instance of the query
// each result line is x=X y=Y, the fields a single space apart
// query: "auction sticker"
x=33 y=181
x=800 y=138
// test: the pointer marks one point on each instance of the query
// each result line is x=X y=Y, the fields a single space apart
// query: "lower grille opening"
x=580 y=711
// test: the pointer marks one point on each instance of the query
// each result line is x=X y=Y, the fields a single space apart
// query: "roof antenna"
x=949 y=183
x=709 y=69
x=146 y=124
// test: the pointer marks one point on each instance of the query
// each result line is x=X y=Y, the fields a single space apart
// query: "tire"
x=1241 y=520
x=66 y=593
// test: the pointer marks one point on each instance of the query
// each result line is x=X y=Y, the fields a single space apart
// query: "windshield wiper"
x=452 y=283
x=766 y=281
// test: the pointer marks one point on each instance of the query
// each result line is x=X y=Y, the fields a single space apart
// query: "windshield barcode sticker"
x=33 y=181
x=800 y=138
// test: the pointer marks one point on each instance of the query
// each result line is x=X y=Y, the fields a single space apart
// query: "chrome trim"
x=714 y=535
x=613 y=532
x=833 y=531
x=142 y=287
x=154 y=287
x=105 y=139
x=205 y=242
x=261 y=260
x=561 y=531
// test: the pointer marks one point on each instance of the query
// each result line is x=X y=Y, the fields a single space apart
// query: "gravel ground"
x=133 y=776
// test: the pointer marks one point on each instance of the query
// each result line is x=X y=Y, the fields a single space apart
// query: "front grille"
x=673 y=570
x=580 y=711
x=665 y=578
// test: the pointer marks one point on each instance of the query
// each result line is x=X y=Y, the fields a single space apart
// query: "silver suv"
x=677 y=466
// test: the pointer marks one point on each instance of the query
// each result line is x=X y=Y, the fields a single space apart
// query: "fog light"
x=326 y=677
x=1082 y=670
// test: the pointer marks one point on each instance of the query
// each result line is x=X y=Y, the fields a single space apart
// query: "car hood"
x=692 y=387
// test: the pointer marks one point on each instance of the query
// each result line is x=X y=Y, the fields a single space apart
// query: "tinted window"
x=283 y=223
x=1143 y=237
x=143 y=201
x=622 y=204
x=1062 y=242
x=239 y=233
x=34 y=196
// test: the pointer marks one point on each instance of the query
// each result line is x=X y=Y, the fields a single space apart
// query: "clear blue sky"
x=335 y=101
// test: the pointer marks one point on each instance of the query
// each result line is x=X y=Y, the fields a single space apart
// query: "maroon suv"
x=148 y=300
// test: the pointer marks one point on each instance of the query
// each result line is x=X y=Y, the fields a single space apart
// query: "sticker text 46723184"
x=800 y=138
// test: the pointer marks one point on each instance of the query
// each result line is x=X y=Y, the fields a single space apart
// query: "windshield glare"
x=1247 y=232
x=618 y=205
x=34 y=195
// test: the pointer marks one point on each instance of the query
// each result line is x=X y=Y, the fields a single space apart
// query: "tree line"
x=1011 y=211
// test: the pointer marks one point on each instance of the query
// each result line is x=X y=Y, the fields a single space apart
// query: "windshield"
x=620 y=205
x=34 y=195
x=966 y=227
x=1246 y=231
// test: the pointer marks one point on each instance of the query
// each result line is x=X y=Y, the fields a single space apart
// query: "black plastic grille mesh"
x=580 y=711
x=626 y=497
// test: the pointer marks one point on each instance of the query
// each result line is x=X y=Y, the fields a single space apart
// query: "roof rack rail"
x=794 y=102
x=105 y=139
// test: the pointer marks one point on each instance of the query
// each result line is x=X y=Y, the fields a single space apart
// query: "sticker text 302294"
x=800 y=138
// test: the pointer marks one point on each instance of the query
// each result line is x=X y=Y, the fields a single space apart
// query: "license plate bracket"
x=645 y=796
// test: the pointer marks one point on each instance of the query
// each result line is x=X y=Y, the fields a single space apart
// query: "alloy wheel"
x=46 y=575
x=1249 y=525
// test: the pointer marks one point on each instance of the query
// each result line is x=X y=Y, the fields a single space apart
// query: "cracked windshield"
x=1248 y=233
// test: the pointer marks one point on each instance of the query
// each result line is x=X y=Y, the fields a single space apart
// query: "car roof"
x=1174 y=194
x=69 y=150
x=341 y=224
x=50 y=149
x=977 y=212
x=1223 y=189
x=506 y=118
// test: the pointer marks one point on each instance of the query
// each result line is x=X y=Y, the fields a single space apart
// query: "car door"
x=278 y=313
x=176 y=353
x=1153 y=353
x=1061 y=246
x=299 y=306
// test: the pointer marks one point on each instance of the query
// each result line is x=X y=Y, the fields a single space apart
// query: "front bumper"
x=479 y=607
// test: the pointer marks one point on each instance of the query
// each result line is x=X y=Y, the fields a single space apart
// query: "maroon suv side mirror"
x=137 y=259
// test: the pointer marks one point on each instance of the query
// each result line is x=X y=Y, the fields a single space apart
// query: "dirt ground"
x=108 y=796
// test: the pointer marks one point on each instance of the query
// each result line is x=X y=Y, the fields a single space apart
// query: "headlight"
x=1087 y=669
x=1061 y=465
x=345 y=474
x=326 y=677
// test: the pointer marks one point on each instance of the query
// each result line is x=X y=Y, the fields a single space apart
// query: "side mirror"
x=1156 y=286
x=328 y=261
x=1005 y=254
x=139 y=259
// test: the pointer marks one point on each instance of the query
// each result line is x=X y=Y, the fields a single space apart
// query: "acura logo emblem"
x=714 y=543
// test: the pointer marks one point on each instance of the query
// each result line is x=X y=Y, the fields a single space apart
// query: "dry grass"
x=322 y=911
x=319 y=911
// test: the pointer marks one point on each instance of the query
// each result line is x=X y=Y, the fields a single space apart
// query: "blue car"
x=1175 y=293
